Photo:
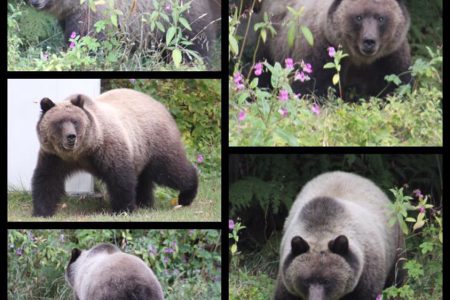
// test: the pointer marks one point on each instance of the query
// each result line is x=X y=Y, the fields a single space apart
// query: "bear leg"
x=47 y=184
x=177 y=173
x=144 y=190
x=120 y=180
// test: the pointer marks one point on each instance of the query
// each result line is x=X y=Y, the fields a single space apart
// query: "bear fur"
x=124 y=137
x=203 y=16
x=104 y=272
x=337 y=243
x=373 y=33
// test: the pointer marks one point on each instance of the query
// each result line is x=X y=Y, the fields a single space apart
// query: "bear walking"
x=124 y=137
x=337 y=243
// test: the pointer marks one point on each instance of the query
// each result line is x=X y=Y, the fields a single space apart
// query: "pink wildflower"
x=289 y=63
x=283 y=96
x=331 y=51
x=258 y=69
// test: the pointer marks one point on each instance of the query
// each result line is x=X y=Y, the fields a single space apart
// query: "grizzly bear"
x=373 y=33
x=104 y=272
x=203 y=17
x=337 y=242
x=124 y=137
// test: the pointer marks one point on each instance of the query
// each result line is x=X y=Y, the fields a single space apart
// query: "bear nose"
x=71 y=138
x=369 y=44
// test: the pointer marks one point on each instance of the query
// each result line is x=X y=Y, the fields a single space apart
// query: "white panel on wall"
x=23 y=114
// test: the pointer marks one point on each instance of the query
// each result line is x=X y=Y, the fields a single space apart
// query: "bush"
x=186 y=262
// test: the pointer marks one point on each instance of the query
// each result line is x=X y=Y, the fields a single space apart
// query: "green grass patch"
x=205 y=207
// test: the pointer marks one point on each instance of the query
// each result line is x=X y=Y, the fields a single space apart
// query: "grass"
x=205 y=207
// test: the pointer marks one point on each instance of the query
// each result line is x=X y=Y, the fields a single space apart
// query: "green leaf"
x=308 y=35
x=114 y=20
x=170 y=34
x=176 y=56
x=233 y=44
x=185 y=23
x=264 y=35
x=291 y=36
x=329 y=65
x=336 y=79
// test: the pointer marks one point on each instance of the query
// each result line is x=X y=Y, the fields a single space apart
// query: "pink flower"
x=237 y=78
x=73 y=35
x=283 y=112
x=422 y=209
x=283 y=96
x=168 y=7
x=200 y=158
x=230 y=224
x=315 y=109
x=258 y=69
x=44 y=56
x=301 y=76
x=241 y=115
x=331 y=51
x=379 y=297
x=72 y=45
x=289 y=63
x=307 y=68
x=418 y=193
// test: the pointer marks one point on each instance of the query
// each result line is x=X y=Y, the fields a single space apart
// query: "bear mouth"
x=68 y=146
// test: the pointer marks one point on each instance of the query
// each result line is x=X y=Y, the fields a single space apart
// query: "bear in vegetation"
x=124 y=137
x=104 y=273
x=373 y=33
x=203 y=16
x=337 y=243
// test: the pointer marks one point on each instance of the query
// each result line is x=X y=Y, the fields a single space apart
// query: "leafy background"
x=186 y=262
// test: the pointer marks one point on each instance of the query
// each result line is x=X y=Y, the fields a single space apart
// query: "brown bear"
x=203 y=17
x=337 y=242
x=104 y=272
x=124 y=137
x=373 y=33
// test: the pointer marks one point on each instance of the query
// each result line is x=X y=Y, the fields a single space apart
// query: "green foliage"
x=259 y=117
x=35 y=42
x=425 y=256
x=186 y=262
x=196 y=107
x=271 y=182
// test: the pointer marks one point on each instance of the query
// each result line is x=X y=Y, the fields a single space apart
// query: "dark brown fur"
x=377 y=43
x=125 y=138
x=203 y=15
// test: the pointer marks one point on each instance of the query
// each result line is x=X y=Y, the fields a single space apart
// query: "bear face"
x=367 y=30
x=326 y=274
x=63 y=128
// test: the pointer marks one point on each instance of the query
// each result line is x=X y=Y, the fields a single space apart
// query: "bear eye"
x=381 y=19
x=358 y=18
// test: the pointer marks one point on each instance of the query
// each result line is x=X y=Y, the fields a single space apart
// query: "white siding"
x=23 y=113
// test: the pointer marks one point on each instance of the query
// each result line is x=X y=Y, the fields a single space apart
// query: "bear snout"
x=69 y=141
x=368 y=46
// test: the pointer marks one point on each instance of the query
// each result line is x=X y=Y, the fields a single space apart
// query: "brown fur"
x=125 y=138
x=203 y=15
x=333 y=23
x=337 y=243
x=104 y=272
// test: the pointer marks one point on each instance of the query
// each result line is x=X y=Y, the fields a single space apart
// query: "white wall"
x=23 y=114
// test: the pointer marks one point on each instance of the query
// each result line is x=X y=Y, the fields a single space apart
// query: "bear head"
x=328 y=273
x=64 y=129
x=367 y=30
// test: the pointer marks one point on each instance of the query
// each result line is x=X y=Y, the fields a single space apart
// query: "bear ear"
x=75 y=254
x=299 y=245
x=46 y=104
x=339 y=245
x=78 y=100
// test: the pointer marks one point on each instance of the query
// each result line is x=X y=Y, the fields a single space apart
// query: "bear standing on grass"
x=124 y=137
x=373 y=33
